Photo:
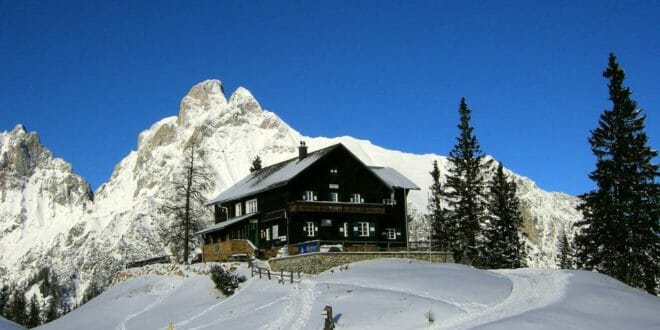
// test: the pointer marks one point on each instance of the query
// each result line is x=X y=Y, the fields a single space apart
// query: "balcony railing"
x=336 y=207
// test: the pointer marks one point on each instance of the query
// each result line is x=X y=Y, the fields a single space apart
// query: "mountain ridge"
x=120 y=220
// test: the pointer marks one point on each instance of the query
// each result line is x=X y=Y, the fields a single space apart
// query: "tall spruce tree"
x=17 y=307
x=53 y=310
x=503 y=240
x=465 y=191
x=34 y=313
x=4 y=299
x=442 y=230
x=619 y=234
x=565 y=253
x=187 y=210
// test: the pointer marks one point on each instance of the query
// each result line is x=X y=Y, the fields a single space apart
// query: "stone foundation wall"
x=315 y=263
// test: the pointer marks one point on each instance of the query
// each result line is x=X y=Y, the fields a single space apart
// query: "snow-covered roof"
x=279 y=174
x=393 y=178
x=270 y=177
x=225 y=224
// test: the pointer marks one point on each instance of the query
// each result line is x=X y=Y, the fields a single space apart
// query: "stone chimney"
x=302 y=150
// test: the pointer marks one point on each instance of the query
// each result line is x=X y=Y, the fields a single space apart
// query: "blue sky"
x=89 y=76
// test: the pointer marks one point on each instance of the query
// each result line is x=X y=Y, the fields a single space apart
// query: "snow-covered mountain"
x=49 y=217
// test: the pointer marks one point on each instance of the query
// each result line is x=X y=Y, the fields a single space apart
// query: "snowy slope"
x=377 y=294
x=9 y=325
x=49 y=218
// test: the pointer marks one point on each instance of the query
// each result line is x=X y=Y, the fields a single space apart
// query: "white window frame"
x=311 y=229
x=345 y=229
x=334 y=196
x=268 y=234
x=238 y=209
x=391 y=233
x=275 y=231
x=363 y=227
x=251 y=206
x=356 y=198
x=309 y=195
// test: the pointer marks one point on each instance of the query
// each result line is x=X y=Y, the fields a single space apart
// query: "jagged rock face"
x=40 y=198
x=121 y=224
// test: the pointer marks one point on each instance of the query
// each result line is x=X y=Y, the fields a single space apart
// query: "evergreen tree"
x=565 y=253
x=504 y=247
x=53 y=310
x=442 y=230
x=619 y=234
x=17 y=307
x=186 y=209
x=256 y=164
x=465 y=191
x=34 y=318
x=4 y=299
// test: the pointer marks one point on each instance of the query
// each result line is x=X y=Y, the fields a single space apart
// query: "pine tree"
x=186 y=209
x=465 y=195
x=4 y=299
x=565 y=253
x=17 y=307
x=619 y=235
x=504 y=247
x=53 y=310
x=34 y=318
x=256 y=164
x=442 y=230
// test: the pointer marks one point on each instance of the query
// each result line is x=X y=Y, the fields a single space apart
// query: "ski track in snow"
x=297 y=311
x=166 y=294
x=531 y=290
x=465 y=307
x=209 y=309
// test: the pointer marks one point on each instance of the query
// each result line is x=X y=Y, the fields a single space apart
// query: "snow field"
x=376 y=294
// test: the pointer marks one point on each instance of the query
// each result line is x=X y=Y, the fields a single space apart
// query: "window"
x=334 y=197
x=356 y=198
x=391 y=233
x=309 y=195
x=310 y=228
x=268 y=234
x=251 y=206
x=344 y=229
x=237 y=210
x=363 y=229
x=275 y=232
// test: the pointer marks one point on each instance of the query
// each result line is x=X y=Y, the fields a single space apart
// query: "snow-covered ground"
x=377 y=294
x=9 y=325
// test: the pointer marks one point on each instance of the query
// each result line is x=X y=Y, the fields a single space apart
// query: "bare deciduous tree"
x=186 y=210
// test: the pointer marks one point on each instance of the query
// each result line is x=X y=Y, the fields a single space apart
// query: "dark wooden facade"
x=336 y=199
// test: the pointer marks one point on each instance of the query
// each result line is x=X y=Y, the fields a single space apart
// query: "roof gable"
x=280 y=174
x=270 y=177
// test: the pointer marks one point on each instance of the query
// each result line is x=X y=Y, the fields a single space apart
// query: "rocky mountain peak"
x=19 y=129
x=205 y=96
x=21 y=152
x=244 y=102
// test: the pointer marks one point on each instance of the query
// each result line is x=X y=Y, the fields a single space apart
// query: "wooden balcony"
x=335 y=207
